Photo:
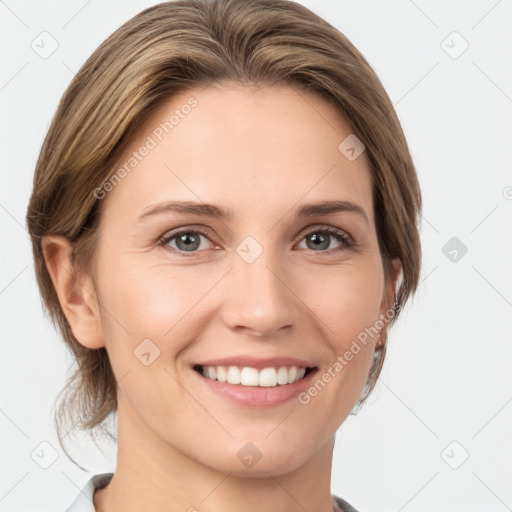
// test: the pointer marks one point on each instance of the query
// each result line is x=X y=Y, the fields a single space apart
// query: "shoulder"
x=343 y=506
x=83 y=502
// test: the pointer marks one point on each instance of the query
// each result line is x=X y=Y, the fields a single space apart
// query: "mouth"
x=261 y=382
x=267 y=377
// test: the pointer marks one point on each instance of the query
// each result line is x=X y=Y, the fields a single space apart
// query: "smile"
x=249 y=376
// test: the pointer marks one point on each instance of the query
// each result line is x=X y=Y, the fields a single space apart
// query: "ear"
x=77 y=297
x=389 y=296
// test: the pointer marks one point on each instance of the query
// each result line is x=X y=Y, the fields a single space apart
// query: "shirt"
x=83 y=502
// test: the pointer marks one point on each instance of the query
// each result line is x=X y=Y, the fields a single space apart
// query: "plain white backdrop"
x=435 y=435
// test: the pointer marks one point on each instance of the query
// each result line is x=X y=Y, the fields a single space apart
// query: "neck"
x=152 y=475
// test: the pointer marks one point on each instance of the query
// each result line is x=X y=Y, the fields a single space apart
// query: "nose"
x=257 y=299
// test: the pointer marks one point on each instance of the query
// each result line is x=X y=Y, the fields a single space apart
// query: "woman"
x=224 y=225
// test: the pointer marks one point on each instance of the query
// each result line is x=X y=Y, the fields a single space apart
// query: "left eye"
x=320 y=239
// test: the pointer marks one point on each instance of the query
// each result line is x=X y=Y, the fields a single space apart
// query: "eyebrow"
x=210 y=210
x=329 y=207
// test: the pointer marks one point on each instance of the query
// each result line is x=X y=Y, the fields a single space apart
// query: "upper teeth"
x=247 y=376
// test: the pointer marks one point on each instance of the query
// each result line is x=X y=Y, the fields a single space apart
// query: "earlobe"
x=77 y=297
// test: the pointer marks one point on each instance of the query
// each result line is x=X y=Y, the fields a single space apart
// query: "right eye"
x=185 y=241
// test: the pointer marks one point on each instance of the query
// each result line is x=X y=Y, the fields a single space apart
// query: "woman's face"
x=249 y=282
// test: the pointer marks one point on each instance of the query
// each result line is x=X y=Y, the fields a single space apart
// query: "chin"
x=258 y=458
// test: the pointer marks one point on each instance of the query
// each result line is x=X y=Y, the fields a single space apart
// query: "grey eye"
x=186 y=240
x=321 y=240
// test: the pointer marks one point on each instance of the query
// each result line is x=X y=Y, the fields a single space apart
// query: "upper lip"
x=257 y=362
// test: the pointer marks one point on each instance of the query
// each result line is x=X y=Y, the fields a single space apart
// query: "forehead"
x=253 y=150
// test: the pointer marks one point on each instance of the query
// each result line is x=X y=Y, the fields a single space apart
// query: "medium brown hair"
x=185 y=44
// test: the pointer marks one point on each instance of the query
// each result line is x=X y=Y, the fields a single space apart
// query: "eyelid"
x=346 y=238
x=169 y=235
x=329 y=229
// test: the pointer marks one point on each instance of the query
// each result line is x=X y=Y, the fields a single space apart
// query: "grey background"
x=445 y=393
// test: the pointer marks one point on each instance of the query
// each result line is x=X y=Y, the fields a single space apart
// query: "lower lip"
x=256 y=396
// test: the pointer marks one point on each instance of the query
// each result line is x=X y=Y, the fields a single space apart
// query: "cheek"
x=348 y=305
x=155 y=311
x=347 y=300
x=151 y=302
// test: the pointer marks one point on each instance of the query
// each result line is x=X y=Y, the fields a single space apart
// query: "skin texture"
x=260 y=153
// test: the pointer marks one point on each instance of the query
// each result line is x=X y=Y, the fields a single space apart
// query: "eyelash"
x=340 y=236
